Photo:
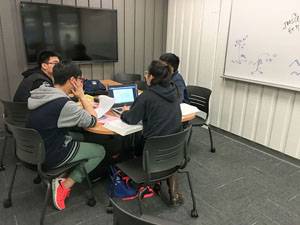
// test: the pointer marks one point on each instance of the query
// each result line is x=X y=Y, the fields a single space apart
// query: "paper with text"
x=105 y=104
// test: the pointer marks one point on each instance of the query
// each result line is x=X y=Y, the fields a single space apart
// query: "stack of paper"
x=119 y=127
x=105 y=104
x=187 y=109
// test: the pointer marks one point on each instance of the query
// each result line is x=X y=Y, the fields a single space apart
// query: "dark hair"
x=171 y=59
x=45 y=55
x=64 y=71
x=161 y=73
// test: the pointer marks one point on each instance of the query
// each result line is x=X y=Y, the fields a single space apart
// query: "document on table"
x=187 y=109
x=119 y=127
x=105 y=104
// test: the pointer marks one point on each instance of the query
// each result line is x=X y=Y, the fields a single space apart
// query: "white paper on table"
x=105 y=104
x=122 y=128
x=188 y=109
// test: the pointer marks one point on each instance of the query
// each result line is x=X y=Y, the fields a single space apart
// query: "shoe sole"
x=54 y=185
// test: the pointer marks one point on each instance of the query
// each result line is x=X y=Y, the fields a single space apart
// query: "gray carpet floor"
x=237 y=185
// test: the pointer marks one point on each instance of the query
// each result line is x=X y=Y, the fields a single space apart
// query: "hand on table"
x=125 y=108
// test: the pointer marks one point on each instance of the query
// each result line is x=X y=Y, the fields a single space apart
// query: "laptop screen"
x=123 y=94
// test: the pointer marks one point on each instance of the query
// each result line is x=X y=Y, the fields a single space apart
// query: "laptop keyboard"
x=118 y=110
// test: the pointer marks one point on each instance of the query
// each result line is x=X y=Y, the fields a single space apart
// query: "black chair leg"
x=190 y=136
x=109 y=208
x=2 y=154
x=7 y=202
x=212 y=148
x=37 y=179
x=91 y=197
x=140 y=198
x=194 y=212
x=46 y=200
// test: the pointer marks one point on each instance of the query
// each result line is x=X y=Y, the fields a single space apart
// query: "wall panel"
x=239 y=108
x=139 y=50
x=267 y=115
x=149 y=37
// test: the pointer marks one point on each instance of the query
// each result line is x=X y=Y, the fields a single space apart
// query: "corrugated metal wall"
x=142 y=28
x=197 y=32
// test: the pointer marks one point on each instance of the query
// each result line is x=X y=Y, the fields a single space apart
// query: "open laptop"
x=123 y=95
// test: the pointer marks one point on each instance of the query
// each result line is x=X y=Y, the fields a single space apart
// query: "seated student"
x=52 y=113
x=158 y=107
x=33 y=78
x=173 y=61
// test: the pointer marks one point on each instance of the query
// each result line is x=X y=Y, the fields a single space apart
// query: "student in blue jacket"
x=173 y=61
x=158 y=107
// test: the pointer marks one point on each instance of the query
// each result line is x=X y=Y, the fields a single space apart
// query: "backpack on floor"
x=120 y=185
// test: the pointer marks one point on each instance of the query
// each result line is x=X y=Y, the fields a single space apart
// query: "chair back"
x=15 y=112
x=126 y=78
x=199 y=97
x=164 y=155
x=29 y=144
x=123 y=217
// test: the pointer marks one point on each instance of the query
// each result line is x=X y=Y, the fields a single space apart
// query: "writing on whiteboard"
x=292 y=24
x=240 y=45
x=295 y=66
x=257 y=64
x=261 y=60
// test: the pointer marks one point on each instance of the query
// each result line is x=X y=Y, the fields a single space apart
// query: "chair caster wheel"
x=91 y=202
x=109 y=209
x=194 y=213
x=37 y=180
x=7 y=203
x=2 y=168
x=213 y=150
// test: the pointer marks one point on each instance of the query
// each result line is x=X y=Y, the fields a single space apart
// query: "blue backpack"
x=120 y=185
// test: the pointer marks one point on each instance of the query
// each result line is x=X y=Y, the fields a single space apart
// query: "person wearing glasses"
x=52 y=113
x=35 y=77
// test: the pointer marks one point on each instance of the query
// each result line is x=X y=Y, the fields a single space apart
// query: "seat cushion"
x=134 y=169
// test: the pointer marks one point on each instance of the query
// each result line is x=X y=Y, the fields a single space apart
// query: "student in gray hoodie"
x=52 y=113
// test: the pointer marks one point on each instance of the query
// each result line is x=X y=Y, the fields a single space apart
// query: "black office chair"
x=123 y=217
x=15 y=113
x=30 y=149
x=199 y=97
x=162 y=157
x=127 y=78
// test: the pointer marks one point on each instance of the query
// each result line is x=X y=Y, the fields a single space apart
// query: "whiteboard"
x=263 y=43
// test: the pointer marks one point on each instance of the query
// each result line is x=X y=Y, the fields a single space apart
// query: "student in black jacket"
x=158 y=108
x=173 y=61
x=34 y=78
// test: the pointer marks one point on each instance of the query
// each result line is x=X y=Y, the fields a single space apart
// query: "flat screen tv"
x=78 y=34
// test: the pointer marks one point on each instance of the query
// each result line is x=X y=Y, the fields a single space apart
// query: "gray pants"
x=94 y=153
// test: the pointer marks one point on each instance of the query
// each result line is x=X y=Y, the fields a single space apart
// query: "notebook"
x=122 y=128
x=123 y=95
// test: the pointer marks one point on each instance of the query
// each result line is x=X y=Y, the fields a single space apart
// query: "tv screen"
x=78 y=34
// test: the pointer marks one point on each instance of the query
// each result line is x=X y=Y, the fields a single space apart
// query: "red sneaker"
x=59 y=193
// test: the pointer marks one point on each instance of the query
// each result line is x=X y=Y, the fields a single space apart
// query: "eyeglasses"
x=81 y=79
x=52 y=63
